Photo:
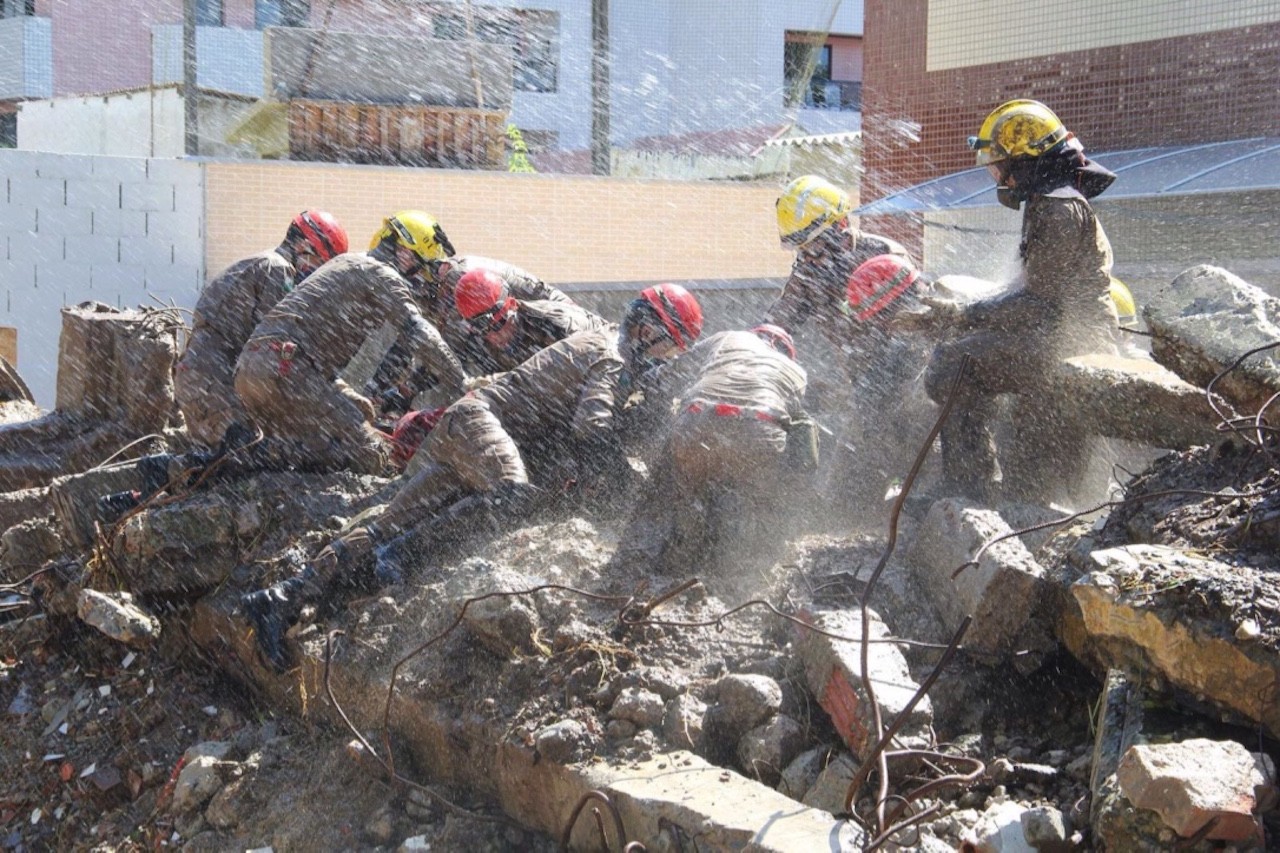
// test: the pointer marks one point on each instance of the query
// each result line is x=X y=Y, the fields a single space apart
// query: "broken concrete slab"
x=1198 y=781
x=117 y=616
x=833 y=673
x=662 y=799
x=27 y=546
x=22 y=505
x=1131 y=398
x=1008 y=595
x=74 y=499
x=201 y=532
x=765 y=751
x=117 y=365
x=115 y=385
x=1204 y=320
x=1173 y=616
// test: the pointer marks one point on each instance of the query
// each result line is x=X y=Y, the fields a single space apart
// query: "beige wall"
x=962 y=33
x=563 y=228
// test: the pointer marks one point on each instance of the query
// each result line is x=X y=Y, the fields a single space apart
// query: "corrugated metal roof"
x=1211 y=167
x=847 y=137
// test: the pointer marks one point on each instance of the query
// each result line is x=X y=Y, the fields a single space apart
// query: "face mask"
x=1010 y=197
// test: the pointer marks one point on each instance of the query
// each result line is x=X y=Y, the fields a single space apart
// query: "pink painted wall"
x=86 y=31
x=98 y=47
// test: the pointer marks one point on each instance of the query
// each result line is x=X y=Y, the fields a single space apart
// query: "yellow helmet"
x=416 y=231
x=1125 y=305
x=807 y=207
x=1020 y=128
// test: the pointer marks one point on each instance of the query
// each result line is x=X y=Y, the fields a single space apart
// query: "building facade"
x=1122 y=74
x=677 y=66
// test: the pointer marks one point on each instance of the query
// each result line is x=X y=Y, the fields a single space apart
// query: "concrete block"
x=119 y=282
x=17 y=163
x=1007 y=593
x=146 y=251
x=1197 y=781
x=833 y=673
x=146 y=196
x=188 y=201
x=1173 y=615
x=74 y=278
x=36 y=248
x=131 y=169
x=119 y=223
x=165 y=225
x=16 y=218
x=96 y=249
x=1204 y=320
x=172 y=171
x=65 y=166
x=94 y=193
x=64 y=221
x=38 y=191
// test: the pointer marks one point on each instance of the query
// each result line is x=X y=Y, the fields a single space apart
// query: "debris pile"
x=974 y=677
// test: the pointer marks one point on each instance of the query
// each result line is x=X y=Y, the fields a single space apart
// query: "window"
x=281 y=13
x=532 y=33
x=209 y=13
x=8 y=130
x=822 y=71
x=17 y=9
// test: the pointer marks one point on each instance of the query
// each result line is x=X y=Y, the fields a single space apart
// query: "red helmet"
x=479 y=292
x=410 y=431
x=321 y=231
x=678 y=310
x=778 y=338
x=877 y=282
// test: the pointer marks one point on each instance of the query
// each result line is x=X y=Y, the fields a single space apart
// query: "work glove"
x=474 y=383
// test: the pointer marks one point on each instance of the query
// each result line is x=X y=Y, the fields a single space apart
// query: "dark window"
x=797 y=56
x=17 y=8
x=209 y=13
x=8 y=130
x=281 y=13
x=534 y=37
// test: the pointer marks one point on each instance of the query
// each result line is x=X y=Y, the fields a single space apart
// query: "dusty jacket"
x=539 y=324
x=818 y=287
x=345 y=301
x=567 y=390
x=1065 y=276
x=233 y=304
x=739 y=369
x=443 y=276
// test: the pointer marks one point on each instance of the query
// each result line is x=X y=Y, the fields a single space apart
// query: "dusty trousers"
x=998 y=365
x=468 y=452
x=720 y=476
x=204 y=389
x=321 y=420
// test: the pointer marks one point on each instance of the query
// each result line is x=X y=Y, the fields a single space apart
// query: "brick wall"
x=565 y=229
x=1202 y=87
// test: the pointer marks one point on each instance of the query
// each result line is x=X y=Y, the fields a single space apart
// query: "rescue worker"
x=1057 y=307
x=882 y=364
x=737 y=449
x=434 y=289
x=287 y=375
x=228 y=310
x=567 y=399
x=508 y=330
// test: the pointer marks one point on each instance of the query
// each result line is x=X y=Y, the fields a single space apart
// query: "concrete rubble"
x=700 y=730
x=1200 y=784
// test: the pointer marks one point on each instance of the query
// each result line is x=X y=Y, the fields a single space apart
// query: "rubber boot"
x=272 y=611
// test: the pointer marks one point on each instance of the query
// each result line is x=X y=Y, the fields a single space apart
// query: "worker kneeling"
x=559 y=410
x=739 y=445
